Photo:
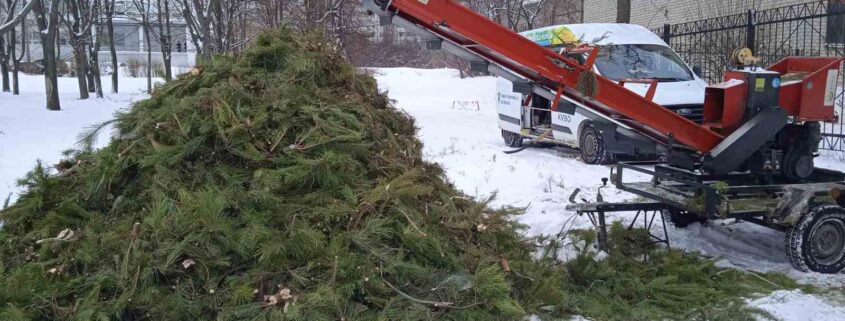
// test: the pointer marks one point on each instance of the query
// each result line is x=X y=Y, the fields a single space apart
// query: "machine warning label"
x=760 y=85
x=830 y=87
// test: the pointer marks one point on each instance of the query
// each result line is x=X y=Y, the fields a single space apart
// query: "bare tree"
x=271 y=13
x=212 y=24
x=197 y=16
x=79 y=23
x=13 y=19
x=11 y=48
x=47 y=20
x=531 y=11
x=108 y=12
x=4 y=64
x=164 y=36
x=7 y=8
x=94 y=42
x=144 y=7
x=520 y=15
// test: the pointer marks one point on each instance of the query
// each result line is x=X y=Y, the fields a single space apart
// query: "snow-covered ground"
x=458 y=126
x=457 y=120
x=30 y=132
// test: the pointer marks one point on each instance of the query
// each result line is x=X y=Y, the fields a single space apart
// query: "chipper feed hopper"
x=758 y=141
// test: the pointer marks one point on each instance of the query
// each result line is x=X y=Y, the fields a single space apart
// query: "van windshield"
x=641 y=62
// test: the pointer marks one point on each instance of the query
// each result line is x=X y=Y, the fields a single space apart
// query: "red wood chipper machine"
x=752 y=159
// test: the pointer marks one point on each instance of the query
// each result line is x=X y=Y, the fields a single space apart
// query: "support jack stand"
x=649 y=212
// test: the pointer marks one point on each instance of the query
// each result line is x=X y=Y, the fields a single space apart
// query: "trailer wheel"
x=592 y=146
x=681 y=218
x=512 y=139
x=817 y=242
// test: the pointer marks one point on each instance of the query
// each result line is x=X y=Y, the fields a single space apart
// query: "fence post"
x=751 y=30
x=667 y=33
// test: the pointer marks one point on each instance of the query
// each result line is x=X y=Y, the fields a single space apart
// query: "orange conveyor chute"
x=453 y=22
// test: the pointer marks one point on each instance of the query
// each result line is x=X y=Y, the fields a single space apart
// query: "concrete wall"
x=654 y=13
x=130 y=37
x=178 y=59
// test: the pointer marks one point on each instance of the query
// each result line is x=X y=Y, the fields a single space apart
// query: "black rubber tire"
x=512 y=139
x=798 y=166
x=682 y=219
x=592 y=146
x=803 y=247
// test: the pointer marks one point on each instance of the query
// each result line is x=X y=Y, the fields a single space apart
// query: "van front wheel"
x=592 y=146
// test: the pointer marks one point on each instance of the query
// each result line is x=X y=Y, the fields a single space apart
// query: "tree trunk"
x=4 y=69
x=81 y=61
x=75 y=27
x=164 y=37
x=48 y=22
x=94 y=63
x=149 y=57
x=98 y=81
x=16 y=60
x=51 y=80
x=198 y=28
x=4 y=64
x=16 y=90
x=623 y=11
x=112 y=48
x=94 y=44
x=168 y=46
x=16 y=86
x=89 y=76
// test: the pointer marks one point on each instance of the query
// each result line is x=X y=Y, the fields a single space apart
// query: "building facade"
x=655 y=13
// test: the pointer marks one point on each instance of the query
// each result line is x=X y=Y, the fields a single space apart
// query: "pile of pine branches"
x=278 y=184
x=281 y=185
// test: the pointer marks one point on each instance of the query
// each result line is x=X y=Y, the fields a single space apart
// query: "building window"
x=836 y=22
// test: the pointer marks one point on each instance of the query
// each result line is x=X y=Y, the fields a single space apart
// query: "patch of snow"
x=29 y=132
x=798 y=306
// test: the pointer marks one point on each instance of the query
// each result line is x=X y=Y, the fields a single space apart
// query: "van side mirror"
x=697 y=71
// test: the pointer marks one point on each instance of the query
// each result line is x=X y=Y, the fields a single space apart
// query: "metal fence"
x=809 y=29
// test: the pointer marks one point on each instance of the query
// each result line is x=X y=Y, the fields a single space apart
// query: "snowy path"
x=457 y=121
x=458 y=125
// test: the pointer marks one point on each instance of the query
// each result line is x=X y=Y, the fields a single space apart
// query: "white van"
x=626 y=52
